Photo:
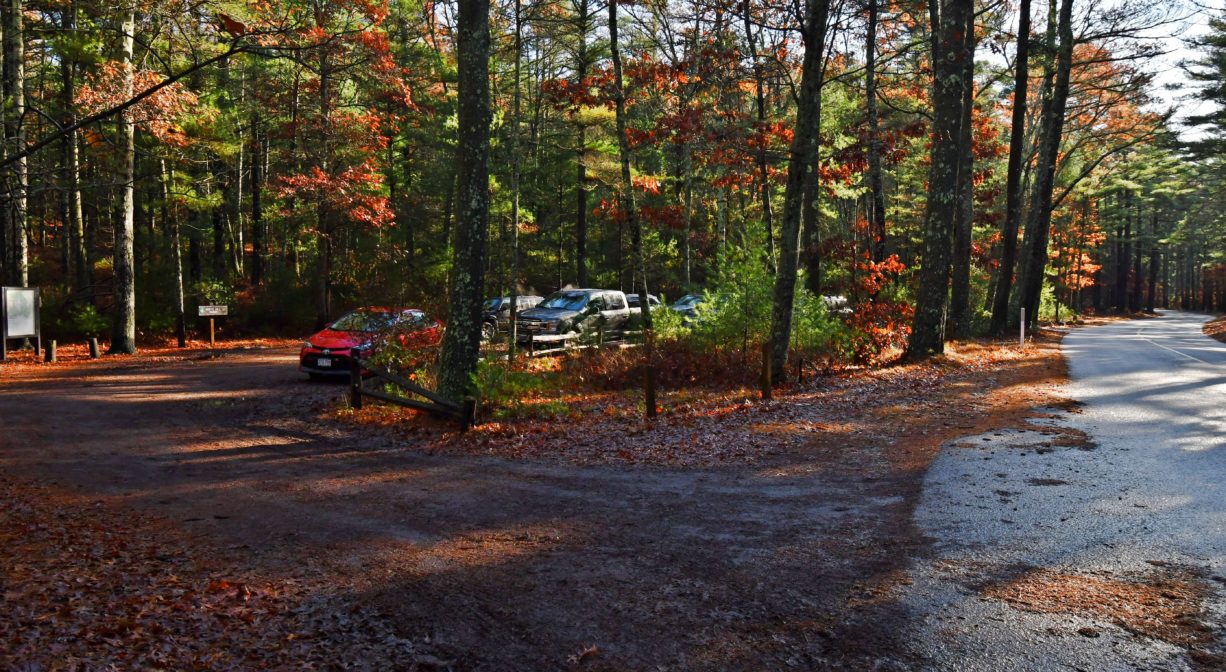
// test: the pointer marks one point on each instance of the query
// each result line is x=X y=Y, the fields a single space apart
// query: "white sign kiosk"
x=19 y=317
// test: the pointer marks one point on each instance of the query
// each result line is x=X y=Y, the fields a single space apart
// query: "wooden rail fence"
x=465 y=413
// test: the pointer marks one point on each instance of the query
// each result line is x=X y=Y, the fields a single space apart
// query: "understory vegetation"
x=843 y=183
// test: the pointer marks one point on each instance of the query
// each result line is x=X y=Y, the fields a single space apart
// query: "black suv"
x=496 y=313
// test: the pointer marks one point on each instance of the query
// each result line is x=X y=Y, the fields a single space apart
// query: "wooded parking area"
x=941 y=165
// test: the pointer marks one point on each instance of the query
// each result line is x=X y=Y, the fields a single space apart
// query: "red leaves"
x=880 y=326
x=877 y=274
x=159 y=113
x=355 y=192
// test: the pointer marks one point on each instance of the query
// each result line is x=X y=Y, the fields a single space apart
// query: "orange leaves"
x=158 y=114
x=647 y=184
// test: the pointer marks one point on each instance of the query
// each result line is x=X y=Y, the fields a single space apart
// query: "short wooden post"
x=355 y=384
x=51 y=351
x=1021 y=338
x=650 y=393
x=800 y=369
x=93 y=348
x=468 y=414
x=767 y=391
x=531 y=344
x=211 y=334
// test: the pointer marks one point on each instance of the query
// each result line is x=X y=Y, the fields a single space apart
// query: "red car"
x=359 y=334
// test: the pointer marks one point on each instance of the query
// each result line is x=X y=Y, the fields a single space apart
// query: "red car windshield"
x=362 y=320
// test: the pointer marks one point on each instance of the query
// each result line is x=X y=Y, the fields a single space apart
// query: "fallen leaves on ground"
x=705 y=427
x=23 y=362
x=86 y=587
x=1167 y=604
x=1216 y=328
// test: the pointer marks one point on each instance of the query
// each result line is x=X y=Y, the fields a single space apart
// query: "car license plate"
x=324 y=362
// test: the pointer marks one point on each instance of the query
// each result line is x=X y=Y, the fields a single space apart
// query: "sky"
x=1171 y=82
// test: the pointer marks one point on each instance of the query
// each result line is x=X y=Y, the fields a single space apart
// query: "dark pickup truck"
x=496 y=313
x=580 y=311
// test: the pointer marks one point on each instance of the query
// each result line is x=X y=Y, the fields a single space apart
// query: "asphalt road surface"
x=1060 y=555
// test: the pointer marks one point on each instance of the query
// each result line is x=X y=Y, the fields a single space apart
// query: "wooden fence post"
x=355 y=384
x=531 y=344
x=766 y=371
x=51 y=351
x=649 y=344
x=93 y=348
x=468 y=414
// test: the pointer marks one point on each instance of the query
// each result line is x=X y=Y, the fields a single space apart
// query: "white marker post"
x=1021 y=337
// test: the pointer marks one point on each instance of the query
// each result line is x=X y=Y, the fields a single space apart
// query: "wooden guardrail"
x=465 y=413
x=574 y=341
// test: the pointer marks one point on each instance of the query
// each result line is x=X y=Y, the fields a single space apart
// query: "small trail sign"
x=213 y=312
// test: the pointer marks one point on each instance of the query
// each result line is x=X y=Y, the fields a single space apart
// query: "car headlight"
x=307 y=344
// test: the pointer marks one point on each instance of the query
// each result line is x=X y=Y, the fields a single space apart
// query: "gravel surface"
x=1053 y=552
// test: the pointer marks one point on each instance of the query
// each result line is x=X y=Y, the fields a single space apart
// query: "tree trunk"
x=257 y=203
x=516 y=119
x=1034 y=254
x=950 y=54
x=876 y=185
x=219 y=225
x=960 y=296
x=802 y=168
x=629 y=209
x=1151 y=301
x=15 y=136
x=1013 y=185
x=764 y=182
x=176 y=253
x=463 y=338
x=1138 y=272
x=123 y=336
x=581 y=207
x=77 y=274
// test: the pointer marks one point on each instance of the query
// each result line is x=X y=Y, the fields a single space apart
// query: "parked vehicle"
x=577 y=311
x=496 y=316
x=687 y=306
x=360 y=333
x=837 y=304
x=635 y=301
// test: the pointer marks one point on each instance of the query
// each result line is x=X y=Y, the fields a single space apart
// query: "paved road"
x=1062 y=526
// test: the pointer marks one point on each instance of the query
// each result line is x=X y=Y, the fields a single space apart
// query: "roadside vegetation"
x=829 y=185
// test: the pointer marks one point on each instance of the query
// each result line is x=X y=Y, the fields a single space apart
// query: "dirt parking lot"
x=483 y=562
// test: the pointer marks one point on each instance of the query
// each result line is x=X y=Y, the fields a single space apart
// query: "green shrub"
x=506 y=391
x=816 y=333
x=736 y=309
x=669 y=324
x=80 y=320
x=1050 y=308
